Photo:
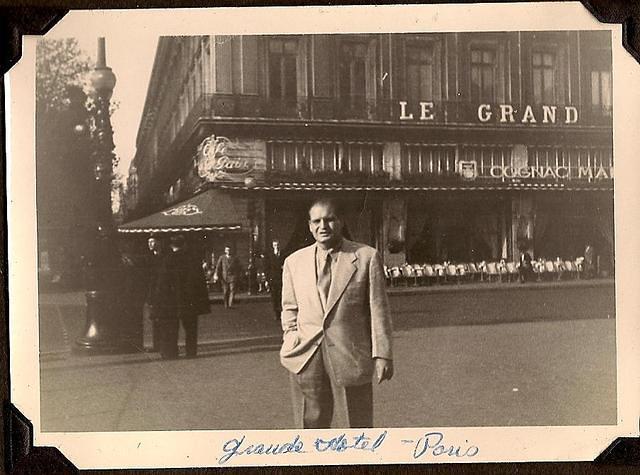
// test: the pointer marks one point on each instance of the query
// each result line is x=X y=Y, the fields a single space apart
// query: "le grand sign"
x=497 y=113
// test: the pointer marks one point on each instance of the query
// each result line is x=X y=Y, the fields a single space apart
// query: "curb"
x=204 y=348
x=454 y=287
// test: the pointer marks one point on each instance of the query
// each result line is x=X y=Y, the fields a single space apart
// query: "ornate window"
x=543 y=69
x=283 y=70
x=353 y=72
x=420 y=71
x=483 y=74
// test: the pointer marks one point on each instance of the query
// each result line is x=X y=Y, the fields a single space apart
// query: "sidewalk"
x=250 y=325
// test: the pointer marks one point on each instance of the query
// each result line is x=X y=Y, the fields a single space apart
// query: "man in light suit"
x=336 y=323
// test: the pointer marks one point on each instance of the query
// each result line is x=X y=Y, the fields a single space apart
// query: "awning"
x=211 y=210
x=322 y=186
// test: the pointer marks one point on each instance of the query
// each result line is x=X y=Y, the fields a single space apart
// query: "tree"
x=63 y=163
x=60 y=63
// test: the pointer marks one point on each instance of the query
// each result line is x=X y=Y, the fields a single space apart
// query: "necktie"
x=324 y=281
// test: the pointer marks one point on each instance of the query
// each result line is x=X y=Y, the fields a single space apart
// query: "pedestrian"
x=336 y=323
x=274 y=270
x=589 y=261
x=228 y=270
x=526 y=267
x=153 y=264
x=261 y=274
x=181 y=278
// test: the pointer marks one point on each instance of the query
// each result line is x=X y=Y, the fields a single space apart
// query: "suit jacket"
x=274 y=268
x=355 y=325
x=228 y=268
x=178 y=286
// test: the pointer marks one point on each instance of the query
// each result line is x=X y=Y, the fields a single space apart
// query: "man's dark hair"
x=328 y=202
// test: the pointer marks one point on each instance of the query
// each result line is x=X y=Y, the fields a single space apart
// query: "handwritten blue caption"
x=430 y=444
x=341 y=443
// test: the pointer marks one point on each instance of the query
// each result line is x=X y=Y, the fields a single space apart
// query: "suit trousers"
x=228 y=292
x=168 y=339
x=275 y=287
x=315 y=396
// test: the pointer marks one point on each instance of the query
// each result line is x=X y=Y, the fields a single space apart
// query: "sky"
x=131 y=59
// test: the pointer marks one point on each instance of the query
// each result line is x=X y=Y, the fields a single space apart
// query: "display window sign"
x=551 y=172
x=469 y=170
x=223 y=159
x=501 y=114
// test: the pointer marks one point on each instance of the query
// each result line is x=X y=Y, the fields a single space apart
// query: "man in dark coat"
x=275 y=261
x=153 y=264
x=180 y=295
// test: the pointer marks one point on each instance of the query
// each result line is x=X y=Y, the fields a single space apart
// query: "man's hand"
x=384 y=369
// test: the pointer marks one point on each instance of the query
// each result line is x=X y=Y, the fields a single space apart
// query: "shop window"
x=309 y=157
x=324 y=156
x=437 y=160
x=483 y=74
x=420 y=71
x=283 y=71
x=543 y=68
x=316 y=157
x=582 y=162
x=362 y=158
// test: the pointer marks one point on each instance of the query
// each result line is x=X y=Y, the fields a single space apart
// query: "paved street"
x=503 y=356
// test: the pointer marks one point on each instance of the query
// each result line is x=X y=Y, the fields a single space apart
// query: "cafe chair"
x=472 y=271
x=409 y=274
x=558 y=265
x=395 y=275
x=420 y=278
x=492 y=272
x=579 y=263
x=430 y=274
x=463 y=273
x=512 y=271
x=571 y=269
x=482 y=269
x=440 y=273
x=387 y=274
x=451 y=273
x=550 y=269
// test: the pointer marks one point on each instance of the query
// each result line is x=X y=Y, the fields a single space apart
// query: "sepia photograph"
x=350 y=229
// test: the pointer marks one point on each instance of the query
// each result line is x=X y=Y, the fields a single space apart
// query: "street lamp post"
x=250 y=183
x=102 y=326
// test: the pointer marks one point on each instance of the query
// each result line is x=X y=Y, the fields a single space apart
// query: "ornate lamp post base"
x=101 y=334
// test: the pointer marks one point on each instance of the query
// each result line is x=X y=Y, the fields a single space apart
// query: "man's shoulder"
x=292 y=258
x=361 y=250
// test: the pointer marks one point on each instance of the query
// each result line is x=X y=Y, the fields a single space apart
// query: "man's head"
x=177 y=242
x=153 y=243
x=325 y=222
x=276 y=246
x=227 y=250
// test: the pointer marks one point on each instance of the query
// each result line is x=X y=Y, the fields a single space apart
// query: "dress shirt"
x=321 y=257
